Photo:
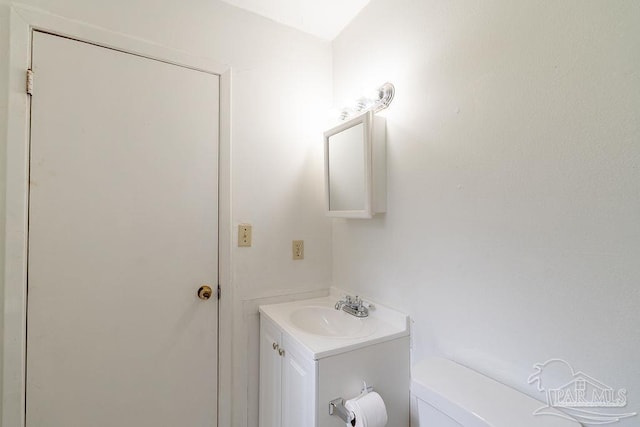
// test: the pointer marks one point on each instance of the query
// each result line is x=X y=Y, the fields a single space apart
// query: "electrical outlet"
x=297 y=247
x=244 y=235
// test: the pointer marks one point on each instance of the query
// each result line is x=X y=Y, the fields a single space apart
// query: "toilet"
x=446 y=394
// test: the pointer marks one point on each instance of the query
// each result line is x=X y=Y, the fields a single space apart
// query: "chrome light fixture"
x=386 y=92
x=380 y=99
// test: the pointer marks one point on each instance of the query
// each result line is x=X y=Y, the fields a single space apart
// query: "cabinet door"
x=270 y=402
x=298 y=388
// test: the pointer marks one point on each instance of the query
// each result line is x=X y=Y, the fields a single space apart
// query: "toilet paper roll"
x=369 y=410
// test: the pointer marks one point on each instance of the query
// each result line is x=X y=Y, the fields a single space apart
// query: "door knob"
x=205 y=292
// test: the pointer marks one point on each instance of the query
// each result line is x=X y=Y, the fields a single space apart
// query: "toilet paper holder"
x=336 y=407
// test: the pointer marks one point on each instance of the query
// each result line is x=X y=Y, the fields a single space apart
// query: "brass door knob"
x=205 y=292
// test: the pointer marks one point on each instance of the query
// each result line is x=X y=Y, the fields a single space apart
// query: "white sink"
x=323 y=331
x=329 y=322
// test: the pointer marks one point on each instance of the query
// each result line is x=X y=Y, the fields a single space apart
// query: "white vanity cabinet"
x=311 y=354
x=287 y=380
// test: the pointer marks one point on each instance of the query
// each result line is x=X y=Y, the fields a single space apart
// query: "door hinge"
x=29 y=81
x=219 y=292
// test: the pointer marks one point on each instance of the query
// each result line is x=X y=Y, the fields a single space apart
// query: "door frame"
x=23 y=21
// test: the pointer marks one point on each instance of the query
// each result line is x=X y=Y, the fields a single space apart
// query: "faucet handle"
x=358 y=301
x=348 y=299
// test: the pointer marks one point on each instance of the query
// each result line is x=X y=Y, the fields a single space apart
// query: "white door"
x=298 y=387
x=270 y=401
x=123 y=230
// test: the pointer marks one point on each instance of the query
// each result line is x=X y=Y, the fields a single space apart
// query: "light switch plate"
x=297 y=247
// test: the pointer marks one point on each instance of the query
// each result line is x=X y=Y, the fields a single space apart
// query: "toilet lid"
x=475 y=400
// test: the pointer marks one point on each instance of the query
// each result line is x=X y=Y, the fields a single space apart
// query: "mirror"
x=355 y=177
x=346 y=170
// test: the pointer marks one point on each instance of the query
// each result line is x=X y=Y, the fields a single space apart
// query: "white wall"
x=4 y=69
x=512 y=233
x=281 y=91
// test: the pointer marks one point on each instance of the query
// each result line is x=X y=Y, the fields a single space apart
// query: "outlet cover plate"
x=244 y=235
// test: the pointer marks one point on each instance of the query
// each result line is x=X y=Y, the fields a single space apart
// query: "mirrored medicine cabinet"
x=355 y=167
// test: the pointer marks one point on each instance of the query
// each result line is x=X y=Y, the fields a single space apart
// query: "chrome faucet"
x=348 y=299
x=354 y=306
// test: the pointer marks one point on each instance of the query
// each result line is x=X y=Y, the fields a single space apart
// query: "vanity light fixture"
x=380 y=99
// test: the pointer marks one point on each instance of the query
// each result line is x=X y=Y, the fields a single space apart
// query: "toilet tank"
x=446 y=394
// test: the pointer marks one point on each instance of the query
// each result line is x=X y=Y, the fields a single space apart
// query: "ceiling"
x=322 y=18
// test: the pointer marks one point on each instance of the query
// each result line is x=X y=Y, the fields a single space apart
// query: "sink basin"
x=324 y=331
x=329 y=322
